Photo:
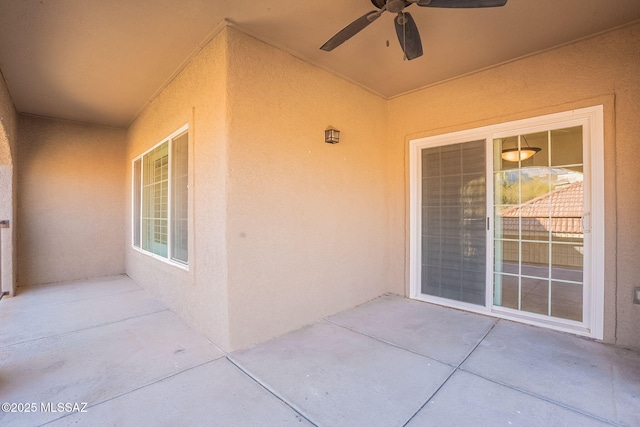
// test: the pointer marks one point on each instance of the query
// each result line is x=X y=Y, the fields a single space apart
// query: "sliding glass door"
x=508 y=220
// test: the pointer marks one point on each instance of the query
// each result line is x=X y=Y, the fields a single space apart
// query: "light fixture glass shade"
x=513 y=154
x=332 y=136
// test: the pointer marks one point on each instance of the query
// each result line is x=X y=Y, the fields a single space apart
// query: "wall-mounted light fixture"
x=331 y=136
x=515 y=154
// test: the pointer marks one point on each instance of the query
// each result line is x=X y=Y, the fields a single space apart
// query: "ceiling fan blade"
x=378 y=3
x=461 y=3
x=350 y=30
x=408 y=36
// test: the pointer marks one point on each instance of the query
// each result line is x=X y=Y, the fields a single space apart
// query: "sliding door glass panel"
x=566 y=149
x=538 y=237
x=509 y=290
x=535 y=259
x=539 y=161
x=535 y=295
x=566 y=300
x=453 y=222
x=507 y=256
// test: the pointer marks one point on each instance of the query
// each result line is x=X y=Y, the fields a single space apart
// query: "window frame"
x=138 y=203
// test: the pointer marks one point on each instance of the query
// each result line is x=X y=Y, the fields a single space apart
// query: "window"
x=160 y=207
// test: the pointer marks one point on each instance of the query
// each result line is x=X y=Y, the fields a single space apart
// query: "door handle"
x=586 y=222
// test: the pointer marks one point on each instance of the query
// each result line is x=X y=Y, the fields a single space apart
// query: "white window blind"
x=155 y=185
x=179 y=199
x=453 y=222
x=137 y=192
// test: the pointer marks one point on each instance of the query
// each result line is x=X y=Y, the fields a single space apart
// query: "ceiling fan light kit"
x=515 y=155
x=406 y=28
x=519 y=154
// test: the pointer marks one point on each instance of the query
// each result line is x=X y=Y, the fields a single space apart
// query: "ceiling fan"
x=406 y=28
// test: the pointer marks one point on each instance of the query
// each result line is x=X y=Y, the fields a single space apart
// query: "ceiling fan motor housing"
x=395 y=6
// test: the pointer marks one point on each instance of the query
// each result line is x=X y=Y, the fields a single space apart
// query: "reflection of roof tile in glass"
x=561 y=209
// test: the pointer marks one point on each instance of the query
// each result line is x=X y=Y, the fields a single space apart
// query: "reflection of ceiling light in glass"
x=515 y=154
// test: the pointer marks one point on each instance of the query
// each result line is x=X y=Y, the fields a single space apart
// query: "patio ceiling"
x=102 y=61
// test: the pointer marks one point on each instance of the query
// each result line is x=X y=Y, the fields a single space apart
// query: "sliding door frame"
x=591 y=119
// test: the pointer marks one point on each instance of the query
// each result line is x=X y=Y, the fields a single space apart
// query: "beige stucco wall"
x=8 y=236
x=197 y=96
x=601 y=70
x=70 y=201
x=8 y=126
x=307 y=220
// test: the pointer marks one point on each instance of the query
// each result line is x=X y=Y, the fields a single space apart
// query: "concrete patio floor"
x=109 y=344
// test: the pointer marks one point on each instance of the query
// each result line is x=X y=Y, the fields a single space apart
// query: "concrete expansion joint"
x=455 y=368
x=386 y=342
x=541 y=397
x=135 y=389
x=272 y=392
x=460 y=368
